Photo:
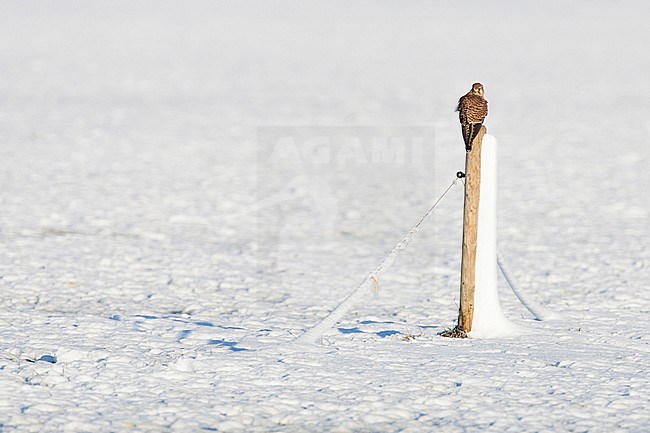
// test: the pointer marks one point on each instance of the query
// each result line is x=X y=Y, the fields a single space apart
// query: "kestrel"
x=472 y=110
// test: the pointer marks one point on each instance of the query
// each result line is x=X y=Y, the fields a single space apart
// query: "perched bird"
x=472 y=109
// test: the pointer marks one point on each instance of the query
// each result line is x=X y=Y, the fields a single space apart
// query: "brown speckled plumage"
x=472 y=109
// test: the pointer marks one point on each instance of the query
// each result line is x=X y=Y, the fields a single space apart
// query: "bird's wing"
x=467 y=133
x=462 y=109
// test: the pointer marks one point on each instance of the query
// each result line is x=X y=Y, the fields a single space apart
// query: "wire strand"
x=313 y=334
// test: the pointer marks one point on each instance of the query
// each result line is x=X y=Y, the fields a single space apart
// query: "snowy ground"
x=149 y=248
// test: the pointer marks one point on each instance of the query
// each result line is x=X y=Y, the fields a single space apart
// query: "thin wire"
x=313 y=334
x=428 y=214
x=409 y=236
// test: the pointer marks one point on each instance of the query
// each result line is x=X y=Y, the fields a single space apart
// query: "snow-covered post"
x=470 y=234
x=488 y=320
x=480 y=312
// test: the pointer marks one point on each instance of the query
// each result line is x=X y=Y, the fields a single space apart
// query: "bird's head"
x=477 y=88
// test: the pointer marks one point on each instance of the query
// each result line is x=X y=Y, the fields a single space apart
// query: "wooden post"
x=470 y=224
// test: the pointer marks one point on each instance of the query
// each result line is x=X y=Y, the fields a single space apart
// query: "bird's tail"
x=473 y=130
x=467 y=133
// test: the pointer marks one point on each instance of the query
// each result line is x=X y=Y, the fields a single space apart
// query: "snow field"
x=133 y=254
